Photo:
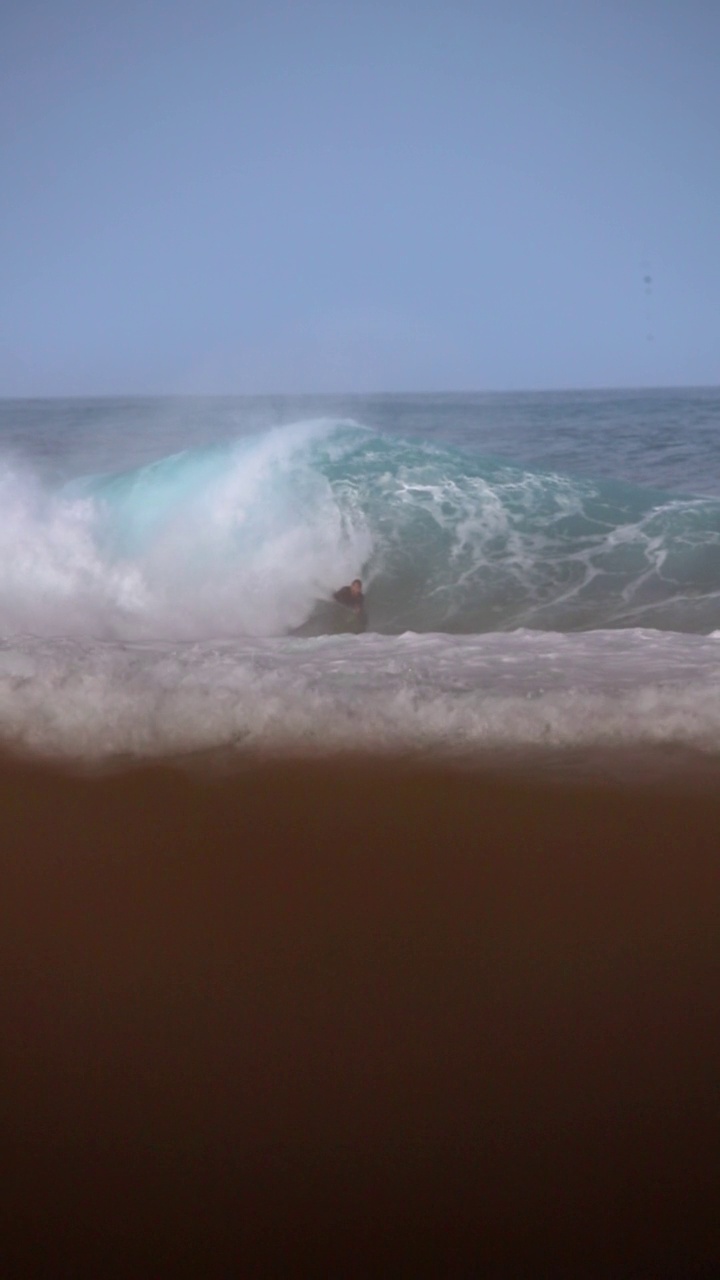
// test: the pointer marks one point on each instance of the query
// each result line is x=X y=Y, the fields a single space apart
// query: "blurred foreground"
x=357 y=1016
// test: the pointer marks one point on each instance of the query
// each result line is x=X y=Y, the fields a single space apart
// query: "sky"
x=214 y=196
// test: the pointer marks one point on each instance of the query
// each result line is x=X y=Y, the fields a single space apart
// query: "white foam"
x=244 y=543
x=97 y=699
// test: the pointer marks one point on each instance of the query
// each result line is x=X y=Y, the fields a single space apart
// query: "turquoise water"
x=167 y=570
x=447 y=539
x=463 y=514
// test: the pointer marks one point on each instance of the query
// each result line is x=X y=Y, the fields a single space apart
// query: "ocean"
x=541 y=573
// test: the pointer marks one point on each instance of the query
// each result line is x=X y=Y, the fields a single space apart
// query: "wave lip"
x=229 y=540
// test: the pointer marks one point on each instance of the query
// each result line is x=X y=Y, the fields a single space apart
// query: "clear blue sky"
x=368 y=195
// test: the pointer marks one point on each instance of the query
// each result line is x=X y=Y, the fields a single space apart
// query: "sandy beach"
x=358 y=1016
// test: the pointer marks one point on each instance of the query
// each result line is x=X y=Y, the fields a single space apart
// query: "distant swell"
x=251 y=539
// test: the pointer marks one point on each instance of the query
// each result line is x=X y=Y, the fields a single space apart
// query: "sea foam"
x=452 y=695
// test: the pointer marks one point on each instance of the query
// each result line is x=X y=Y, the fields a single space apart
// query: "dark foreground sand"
x=357 y=1018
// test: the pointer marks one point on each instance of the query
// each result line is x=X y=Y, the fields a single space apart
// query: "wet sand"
x=358 y=1017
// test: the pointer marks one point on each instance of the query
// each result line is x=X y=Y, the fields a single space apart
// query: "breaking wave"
x=251 y=538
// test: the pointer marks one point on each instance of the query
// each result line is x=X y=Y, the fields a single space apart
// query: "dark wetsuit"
x=356 y=603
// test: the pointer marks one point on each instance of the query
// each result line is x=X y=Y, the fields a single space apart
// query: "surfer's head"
x=356 y=587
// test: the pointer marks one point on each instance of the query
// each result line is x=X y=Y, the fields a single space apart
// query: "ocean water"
x=542 y=572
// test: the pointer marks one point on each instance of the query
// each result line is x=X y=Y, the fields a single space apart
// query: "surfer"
x=352 y=597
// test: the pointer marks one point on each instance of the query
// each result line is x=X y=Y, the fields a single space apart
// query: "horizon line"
x=317 y=395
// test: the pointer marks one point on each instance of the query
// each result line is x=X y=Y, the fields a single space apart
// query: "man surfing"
x=352 y=597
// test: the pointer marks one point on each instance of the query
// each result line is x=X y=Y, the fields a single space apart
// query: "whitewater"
x=541 y=572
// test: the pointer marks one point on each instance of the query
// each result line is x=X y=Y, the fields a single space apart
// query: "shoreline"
x=639 y=766
x=359 y=1013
